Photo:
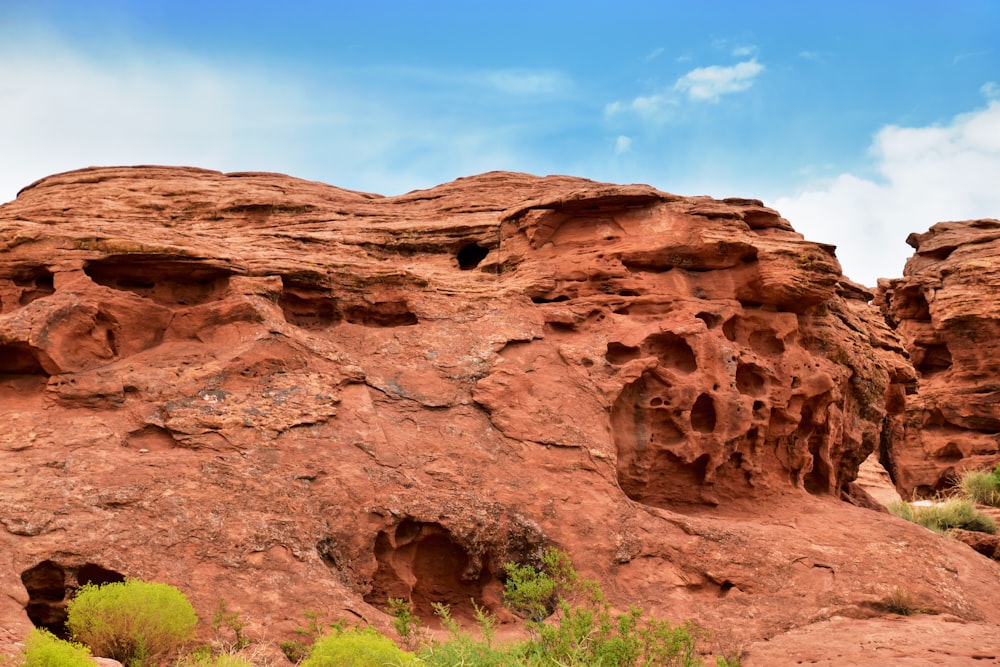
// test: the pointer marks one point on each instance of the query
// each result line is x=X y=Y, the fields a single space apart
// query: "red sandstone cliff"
x=947 y=310
x=299 y=397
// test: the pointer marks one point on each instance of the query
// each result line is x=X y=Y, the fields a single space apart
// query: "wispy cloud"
x=928 y=174
x=969 y=55
x=711 y=83
x=990 y=90
x=702 y=84
x=657 y=108
x=623 y=144
x=63 y=108
x=744 y=51
x=527 y=82
x=654 y=54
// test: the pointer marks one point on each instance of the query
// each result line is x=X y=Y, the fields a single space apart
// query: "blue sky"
x=860 y=121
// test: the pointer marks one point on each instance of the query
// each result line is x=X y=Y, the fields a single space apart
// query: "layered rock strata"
x=946 y=307
x=299 y=397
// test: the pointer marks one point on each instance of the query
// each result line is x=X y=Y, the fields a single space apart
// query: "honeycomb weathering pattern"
x=301 y=397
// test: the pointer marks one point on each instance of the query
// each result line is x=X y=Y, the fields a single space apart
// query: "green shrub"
x=570 y=624
x=981 y=487
x=462 y=648
x=316 y=626
x=954 y=513
x=533 y=593
x=232 y=621
x=406 y=623
x=43 y=649
x=135 y=622
x=357 y=648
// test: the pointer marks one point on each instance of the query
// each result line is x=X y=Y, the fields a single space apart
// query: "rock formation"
x=297 y=397
x=947 y=309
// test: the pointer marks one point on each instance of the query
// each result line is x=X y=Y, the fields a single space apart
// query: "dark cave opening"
x=471 y=255
x=51 y=586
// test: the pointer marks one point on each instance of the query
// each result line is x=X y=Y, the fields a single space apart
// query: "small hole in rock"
x=470 y=256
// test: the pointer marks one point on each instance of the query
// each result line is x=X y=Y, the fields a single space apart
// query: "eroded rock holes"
x=423 y=563
x=50 y=586
x=20 y=359
x=308 y=309
x=29 y=282
x=168 y=281
x=647 y=431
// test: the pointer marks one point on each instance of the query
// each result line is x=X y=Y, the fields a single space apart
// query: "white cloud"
x=928 y=175
x=623 y=144
x=990 y=89
x=62 y=109
x=710 y=83
x=744 y=51
x=703 y=84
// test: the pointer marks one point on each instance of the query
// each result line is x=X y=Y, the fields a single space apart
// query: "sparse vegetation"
x=981 y=486
x=232 y=621
x=900 y=601
x=940 y=517
x=570 y=624
x=406 y=623
x=208 y=659
x=135 y=622
x=568 y=619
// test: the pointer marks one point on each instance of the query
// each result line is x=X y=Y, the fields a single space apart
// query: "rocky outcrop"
x=299 y=397
x=946 y=309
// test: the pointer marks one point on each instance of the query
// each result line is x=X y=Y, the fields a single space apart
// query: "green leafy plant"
x=135 y=622
x=570 y=623
x=462 y=648
x=43 y=649
x=363 y=647
x=406 y=623
x=296 y=650
x=233 y=621
x=533 y=593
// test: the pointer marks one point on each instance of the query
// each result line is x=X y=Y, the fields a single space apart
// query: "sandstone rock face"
x=298 y=397
x=947 y=309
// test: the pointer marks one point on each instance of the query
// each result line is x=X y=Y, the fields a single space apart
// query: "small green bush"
x=462 y=648
x=357 y=648
x=954 y=513
x=43 y=649
x=135 y=622
x=981 y=486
